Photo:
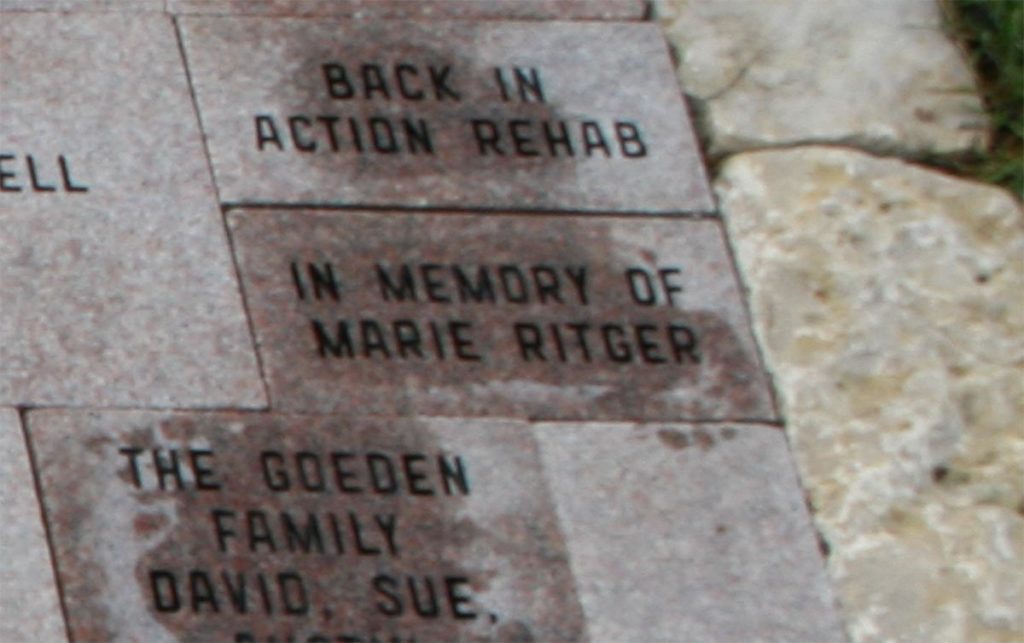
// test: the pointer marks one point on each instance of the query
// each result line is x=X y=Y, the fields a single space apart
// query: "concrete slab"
x=526 y=116
x=688 y=533
x=465 y=315
x=29 y=605
x=115 y=273
x=236 y=527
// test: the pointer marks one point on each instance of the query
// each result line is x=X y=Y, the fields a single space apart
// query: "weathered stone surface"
x=371 y=504
x=877 y=73
x=464 y=315
x=115 y=274
x=309 y=112
x=688 y=533
x=888 y=300
x=29 y=607
x=408 y=9
x=82 y=5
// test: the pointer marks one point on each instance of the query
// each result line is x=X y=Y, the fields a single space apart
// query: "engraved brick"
x=539 y=317
x=115 y=275
x=535 y=116
x=250 y=527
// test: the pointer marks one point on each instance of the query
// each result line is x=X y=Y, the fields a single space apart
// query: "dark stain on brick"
x=146 y=524
x=516 y=632
x=673 y=439
x=703 y=439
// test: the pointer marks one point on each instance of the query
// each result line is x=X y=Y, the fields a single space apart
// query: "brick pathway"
x=319 y=325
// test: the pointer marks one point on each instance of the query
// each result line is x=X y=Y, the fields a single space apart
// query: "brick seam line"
x=232 y=251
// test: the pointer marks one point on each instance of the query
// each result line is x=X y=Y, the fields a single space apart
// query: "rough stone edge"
x=760 y=341
x=943 y=162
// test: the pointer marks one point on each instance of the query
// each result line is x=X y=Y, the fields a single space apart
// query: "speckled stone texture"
x=115 y=273
x=82 y=5
x=878 y=74
x=311 y=112
x=454 y=314
x=29 y=607
x=468 y=9
x=688 y=533
x=335 y=515
x=890 y=303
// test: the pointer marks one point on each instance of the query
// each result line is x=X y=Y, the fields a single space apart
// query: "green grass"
x=992 y=32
